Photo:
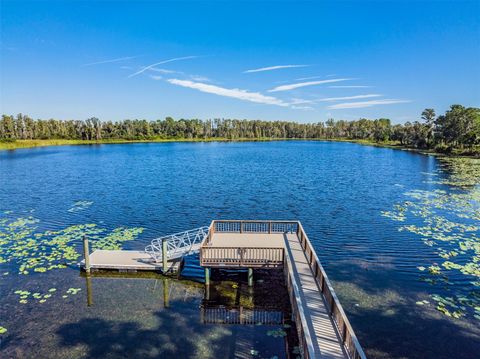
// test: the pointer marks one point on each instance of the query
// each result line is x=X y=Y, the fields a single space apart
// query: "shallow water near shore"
x=397 y=233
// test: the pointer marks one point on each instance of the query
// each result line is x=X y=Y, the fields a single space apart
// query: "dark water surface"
x=337 y=190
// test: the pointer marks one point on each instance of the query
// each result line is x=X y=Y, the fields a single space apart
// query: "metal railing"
x=254 y=226
x=178 y=244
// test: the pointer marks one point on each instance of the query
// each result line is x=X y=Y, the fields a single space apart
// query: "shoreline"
x=21 y=144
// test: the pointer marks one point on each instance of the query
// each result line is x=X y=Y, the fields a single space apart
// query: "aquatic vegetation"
x=114 y=239
x=448 y=221
x=80 y=206
x=463 y=172
x=73 y=291
x=34 y=251
x=422 y=302
x=25 y=295
x=3 y=330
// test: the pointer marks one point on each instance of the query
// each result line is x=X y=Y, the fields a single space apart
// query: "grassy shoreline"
x=19 y=144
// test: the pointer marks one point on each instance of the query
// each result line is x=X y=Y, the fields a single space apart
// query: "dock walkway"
x=325 y=340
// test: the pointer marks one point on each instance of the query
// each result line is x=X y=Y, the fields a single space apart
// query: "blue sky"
x=300 y=61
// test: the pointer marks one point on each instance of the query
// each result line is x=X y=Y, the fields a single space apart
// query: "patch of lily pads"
x=448 y=220
x=25 y=296
x=34 y=251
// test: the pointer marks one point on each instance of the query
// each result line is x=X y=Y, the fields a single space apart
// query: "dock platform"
x=124 y=260
x=323 y=328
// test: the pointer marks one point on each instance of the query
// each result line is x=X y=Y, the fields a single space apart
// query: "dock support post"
x=165 y=293
x=250 y=277
x=164 y=256
x=207 y=276
x=89 y=291
x=86 y=254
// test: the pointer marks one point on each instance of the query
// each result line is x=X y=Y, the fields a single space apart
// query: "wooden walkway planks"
x=126 y=260
x=325 y=339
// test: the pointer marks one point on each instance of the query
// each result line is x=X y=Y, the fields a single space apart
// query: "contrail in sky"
x=160 y=63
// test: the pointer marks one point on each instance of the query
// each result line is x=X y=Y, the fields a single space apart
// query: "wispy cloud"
x=304 y=84
x=349 y=87
x=309 y=78
x=163 y=71
x=200 y=78
x=143 y=69
x=156 y=77
x=364 y=104
x=234 y=93
x=111 y=60
x=357 y=97
x=271 y=68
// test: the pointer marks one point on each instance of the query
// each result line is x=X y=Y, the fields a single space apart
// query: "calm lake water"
x=363 y=208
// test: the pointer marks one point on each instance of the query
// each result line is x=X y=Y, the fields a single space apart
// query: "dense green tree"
x=459 y=127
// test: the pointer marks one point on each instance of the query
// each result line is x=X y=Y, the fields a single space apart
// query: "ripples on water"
x=337 y=190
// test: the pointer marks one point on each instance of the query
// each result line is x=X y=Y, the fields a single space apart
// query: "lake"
x=396 y=231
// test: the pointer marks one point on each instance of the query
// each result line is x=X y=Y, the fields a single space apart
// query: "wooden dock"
x=324 y=330
x=123 y=260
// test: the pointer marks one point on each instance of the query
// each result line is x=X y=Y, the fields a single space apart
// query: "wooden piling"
x=164 y=256
x=86 y=254
x=165 y=293
x=250 y=277
x=89 y=291
x=207 y=276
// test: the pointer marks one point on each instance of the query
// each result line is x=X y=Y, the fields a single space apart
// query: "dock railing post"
x=86 y=254
x=164 y=256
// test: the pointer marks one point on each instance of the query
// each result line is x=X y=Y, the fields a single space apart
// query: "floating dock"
x=128 y=261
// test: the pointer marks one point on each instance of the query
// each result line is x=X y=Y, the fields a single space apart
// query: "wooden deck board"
x=123 y=260
x=243 y=240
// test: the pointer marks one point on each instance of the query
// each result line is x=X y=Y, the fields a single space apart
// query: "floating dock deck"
x=124 y=260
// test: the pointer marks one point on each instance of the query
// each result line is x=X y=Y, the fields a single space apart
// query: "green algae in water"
x=449 y=223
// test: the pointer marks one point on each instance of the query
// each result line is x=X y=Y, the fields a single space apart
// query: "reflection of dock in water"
x=240 y=315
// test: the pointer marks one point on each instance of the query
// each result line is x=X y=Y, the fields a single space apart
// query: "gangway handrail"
x=178 y=244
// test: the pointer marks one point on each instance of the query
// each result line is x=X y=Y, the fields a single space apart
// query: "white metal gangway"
x=177 y=244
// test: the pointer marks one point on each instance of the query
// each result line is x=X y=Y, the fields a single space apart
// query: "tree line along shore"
x=457 y=131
